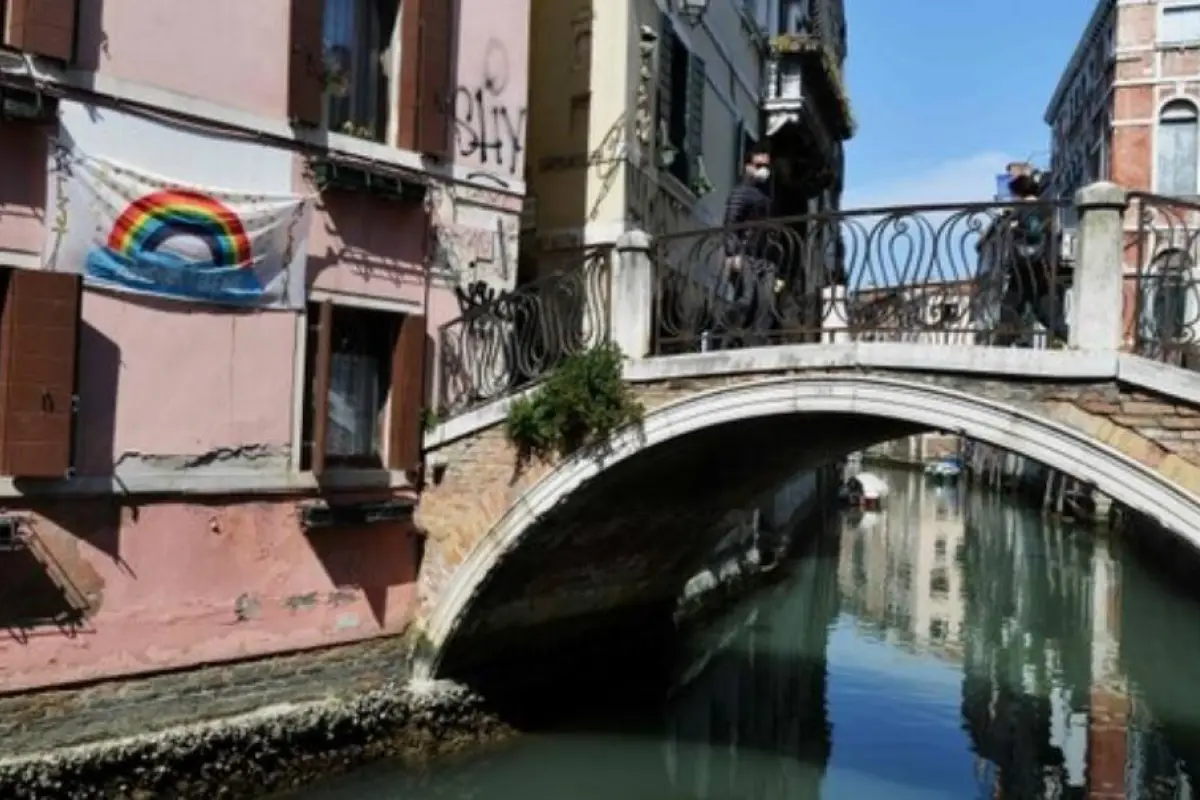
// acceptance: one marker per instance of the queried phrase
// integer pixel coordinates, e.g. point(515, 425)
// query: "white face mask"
point(762, 174)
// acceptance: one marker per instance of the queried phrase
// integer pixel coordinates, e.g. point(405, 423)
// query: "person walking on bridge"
point(749, 270)
point(1033, 285)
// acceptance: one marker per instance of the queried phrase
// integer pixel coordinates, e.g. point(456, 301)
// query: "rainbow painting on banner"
point(181, 242)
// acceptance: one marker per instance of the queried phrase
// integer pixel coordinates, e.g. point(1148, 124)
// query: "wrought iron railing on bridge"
point(980, 274)
point(988, 273)
point(505, 340)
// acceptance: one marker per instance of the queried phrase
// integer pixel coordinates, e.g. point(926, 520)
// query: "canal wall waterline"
point(1034, 485)
point(759, 541)
point(243, 729)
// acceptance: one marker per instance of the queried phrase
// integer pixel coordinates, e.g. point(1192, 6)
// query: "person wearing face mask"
point(747, 264)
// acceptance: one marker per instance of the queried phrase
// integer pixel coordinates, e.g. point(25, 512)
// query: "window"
point(360, 364)
point(1177, 149)
point(939, 583)
point(1179, 23)
point(682, 82)
point(742, 144)
point(352, 36)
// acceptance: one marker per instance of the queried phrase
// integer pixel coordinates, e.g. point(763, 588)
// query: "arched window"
point(1177, 149)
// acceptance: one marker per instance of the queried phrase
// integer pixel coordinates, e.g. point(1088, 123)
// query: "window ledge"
point(200, 483)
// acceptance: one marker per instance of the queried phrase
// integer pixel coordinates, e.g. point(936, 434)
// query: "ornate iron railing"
point(507, 340)
point(987, 273)
point(1163, 320)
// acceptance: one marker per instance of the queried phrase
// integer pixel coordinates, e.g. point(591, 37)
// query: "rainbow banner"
point(132, 232)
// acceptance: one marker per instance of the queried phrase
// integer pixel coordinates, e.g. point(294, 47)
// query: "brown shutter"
point(320, 387)
point(306, 64)
point(42, 27)
point(426, 76)
point(39, 328)
point(408, 395)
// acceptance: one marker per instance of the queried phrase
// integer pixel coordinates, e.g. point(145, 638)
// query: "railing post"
point(631, 299)
point(1096, 309)
point(834, 326)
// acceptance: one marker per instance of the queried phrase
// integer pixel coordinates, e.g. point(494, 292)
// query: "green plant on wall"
point(579, 405)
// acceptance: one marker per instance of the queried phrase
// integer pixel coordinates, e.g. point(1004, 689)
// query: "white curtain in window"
point(1177, 149)
point(351, 37)
point(353, 405)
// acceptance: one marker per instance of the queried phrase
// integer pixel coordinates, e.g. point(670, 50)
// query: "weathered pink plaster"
point(170, 584)
point(182, 584)
point(173, 378)
point(493, 61)
point(230, 52)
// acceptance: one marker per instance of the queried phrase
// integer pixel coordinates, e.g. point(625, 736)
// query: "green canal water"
point(952, 646)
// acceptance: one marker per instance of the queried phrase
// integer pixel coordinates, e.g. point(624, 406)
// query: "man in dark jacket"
point(748, 266)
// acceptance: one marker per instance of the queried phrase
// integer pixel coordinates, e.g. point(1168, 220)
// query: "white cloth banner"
point(129, 231)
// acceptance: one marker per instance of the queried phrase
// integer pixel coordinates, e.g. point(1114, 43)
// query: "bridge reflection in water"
point(950, 646)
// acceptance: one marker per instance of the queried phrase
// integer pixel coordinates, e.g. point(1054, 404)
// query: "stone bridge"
point(597, 548)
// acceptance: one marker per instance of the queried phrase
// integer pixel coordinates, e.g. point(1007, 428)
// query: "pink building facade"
point(198, 474)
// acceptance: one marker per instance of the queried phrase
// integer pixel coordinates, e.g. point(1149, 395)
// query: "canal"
point(951, 646)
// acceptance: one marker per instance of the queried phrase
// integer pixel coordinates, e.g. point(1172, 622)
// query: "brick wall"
point(630, 535)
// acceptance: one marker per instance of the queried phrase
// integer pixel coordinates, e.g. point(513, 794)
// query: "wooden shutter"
point(42, 27)
point(306, 62)
point(666, 51)
point(408, 395)
point(39, 334)
point(320, 387)
point(693, 144)
point(426, 76)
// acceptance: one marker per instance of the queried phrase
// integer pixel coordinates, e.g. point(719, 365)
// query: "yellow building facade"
point(639, 116)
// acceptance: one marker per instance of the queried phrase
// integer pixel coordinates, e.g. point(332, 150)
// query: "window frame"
point(1164, 9)
point(402, 402)
point(1162, 122)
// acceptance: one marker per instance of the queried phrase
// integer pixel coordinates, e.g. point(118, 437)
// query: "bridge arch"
point(912, 406)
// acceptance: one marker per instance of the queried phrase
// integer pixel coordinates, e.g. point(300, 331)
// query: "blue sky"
point(946, 91)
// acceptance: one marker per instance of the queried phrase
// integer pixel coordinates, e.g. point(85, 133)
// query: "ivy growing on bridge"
point(581, 404)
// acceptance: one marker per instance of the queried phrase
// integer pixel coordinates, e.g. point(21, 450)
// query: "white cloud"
point(968, 179)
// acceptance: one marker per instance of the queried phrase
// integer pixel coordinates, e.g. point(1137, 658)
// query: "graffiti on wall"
point(475, 232)
point(486, 126)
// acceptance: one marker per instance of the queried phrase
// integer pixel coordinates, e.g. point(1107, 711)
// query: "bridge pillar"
point(833, 315)
point(631, 297)
point(1097, 315)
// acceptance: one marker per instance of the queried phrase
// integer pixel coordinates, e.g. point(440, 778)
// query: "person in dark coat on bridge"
point(748, 266)
point(1032, 284)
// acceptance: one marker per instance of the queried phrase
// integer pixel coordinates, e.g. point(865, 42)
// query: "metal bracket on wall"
point(323, 515)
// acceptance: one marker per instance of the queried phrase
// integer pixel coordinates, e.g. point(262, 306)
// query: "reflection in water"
point(947, 646)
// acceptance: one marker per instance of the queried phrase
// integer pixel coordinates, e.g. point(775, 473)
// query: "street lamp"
point(692, 11)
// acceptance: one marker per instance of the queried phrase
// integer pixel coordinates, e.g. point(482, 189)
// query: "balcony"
point(803, 71)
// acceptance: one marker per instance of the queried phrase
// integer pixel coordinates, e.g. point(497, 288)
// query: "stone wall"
point(247, 727)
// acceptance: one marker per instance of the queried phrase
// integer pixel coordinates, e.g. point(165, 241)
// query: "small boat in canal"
point(944, 470)
point(866, 491)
